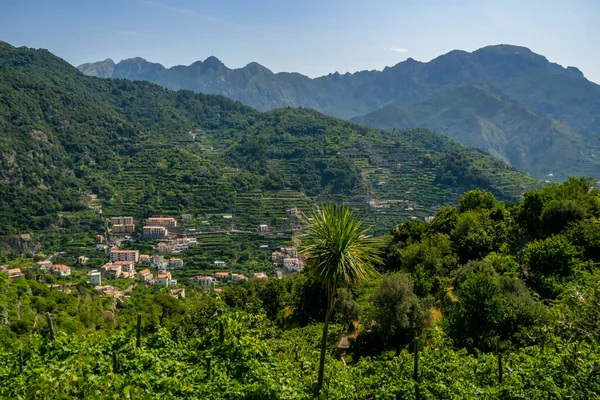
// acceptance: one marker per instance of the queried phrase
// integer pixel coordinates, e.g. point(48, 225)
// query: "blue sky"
point(313, 37)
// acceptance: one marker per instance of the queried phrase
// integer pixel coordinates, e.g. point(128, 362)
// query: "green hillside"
point(479, 117)
point(144, 150)
point(537, 115)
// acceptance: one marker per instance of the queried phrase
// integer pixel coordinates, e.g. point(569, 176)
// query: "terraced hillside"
point(145, 150)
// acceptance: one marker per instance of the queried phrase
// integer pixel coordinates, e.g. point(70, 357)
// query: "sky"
point(313, 37)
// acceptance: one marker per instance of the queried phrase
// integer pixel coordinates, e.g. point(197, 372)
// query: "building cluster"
point(123, 263)
point(207, 280)
point(287, 257)
point(54, 269)
point(158, 227)
point(46, 265)
point(176, 245)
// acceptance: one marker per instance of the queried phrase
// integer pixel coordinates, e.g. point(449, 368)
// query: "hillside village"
point(159, 261)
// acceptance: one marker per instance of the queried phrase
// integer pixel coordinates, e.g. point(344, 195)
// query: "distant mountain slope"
point(481, 118)
point(143, 149)
point(564, 105)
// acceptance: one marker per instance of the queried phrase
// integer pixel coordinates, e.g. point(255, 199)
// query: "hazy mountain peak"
point(212, 62)
point(257, 68)
point(134, 60)
point(506, 49)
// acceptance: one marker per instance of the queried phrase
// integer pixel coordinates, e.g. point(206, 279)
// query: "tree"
point(339, 254)
point(474, 200)
point(399, 313)
point(346, 308)
point(558, 214)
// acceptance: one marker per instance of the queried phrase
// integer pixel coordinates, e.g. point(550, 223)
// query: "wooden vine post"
point(138, 335)
point(499, 354)
point(416, 371)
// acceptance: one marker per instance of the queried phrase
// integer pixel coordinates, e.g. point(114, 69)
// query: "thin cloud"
point(180, 10)
point(395, 49)
point(132, 33)
point(195, 14)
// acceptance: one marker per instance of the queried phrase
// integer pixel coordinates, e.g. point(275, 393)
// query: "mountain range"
point(506, 100)
point(69, 142)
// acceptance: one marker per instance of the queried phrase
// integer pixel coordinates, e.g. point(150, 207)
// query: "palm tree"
point(338, 254)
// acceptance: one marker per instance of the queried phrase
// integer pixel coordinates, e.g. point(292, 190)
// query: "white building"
point(204, 280)
point(158, 261)
point(163, 278)
point(175, 263)
point(154, 232)
point(95, 277)
point(61, 270)
point(263, 228)
point(220, 264)
point(293, 264)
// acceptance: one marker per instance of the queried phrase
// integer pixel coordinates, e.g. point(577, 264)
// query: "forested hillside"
point(504, 99)
point(501, 299)
point(144, 150)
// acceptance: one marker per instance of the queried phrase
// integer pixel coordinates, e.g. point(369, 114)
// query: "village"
point(158, 267)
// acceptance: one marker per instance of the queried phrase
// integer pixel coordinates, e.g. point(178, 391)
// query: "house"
point(145, 275)
point(290, 251)
point(175, 263)
point(158, 261)
point(110, 270)
point(123, 228)
point(292, 212)
point(95, 277)
point(203, 280)
point(61, 270)
point(238, 277)
point(124, 255)
point(121, 221)
point(127, 268)
point(220, 264)
point(82, 260)
point(177, 293)
point(44, 264)
point(102, 246)
point(164, 247)
point(221, 275)
point(170, 222)
point(263, 228)
point(144, 259)
point(293, 264)
point(109, 290)
point(100, 239)
point(260, 276)
point(154, 232)
point(163, 278)
point(15, 273)
point(277, 256)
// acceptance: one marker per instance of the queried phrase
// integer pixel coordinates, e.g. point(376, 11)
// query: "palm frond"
point(337, 247)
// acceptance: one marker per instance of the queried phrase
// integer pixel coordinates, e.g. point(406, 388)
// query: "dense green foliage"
point(145, 150)
point(536, 115)
point(532, 295)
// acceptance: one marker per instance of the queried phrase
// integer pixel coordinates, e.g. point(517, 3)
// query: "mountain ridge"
point(525, 79)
